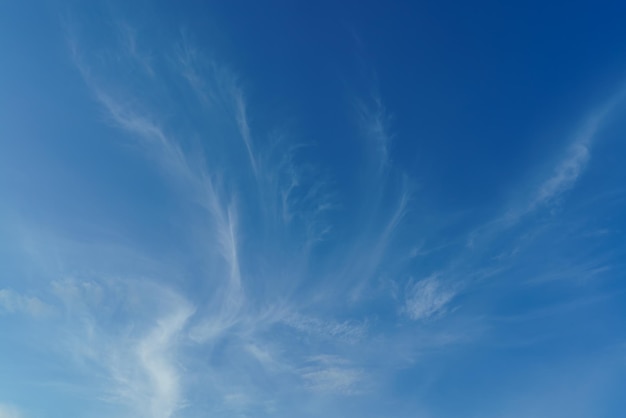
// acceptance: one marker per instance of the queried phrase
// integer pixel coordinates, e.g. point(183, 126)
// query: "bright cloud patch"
point(427, 298)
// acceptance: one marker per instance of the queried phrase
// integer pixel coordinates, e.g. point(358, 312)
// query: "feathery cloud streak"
point(279, 290)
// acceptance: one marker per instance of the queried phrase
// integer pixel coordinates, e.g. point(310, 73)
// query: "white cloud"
point(78, 293)
point(334, 380)
point(215, 198)
point(8, 411)
point(129, 39)
point(346, 331)
point(126, 335)
point(140, 358)
point(294, 192)
point(15, 303)
point(572, 165)
point(144, 127)
point(333, 375)
point(565, 175)
point(156, 356)
point(244, 128)
point(427, 298)
point(373, 121)
point(264, 356)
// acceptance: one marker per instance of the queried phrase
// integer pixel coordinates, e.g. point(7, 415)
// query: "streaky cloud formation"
point(426, 298)
point(197, 255)
point(12, 302)
point(569, 169)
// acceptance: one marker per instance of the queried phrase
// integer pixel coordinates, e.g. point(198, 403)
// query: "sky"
point(347, 208)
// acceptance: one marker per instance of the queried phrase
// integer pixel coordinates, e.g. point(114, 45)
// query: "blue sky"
point(305, 209)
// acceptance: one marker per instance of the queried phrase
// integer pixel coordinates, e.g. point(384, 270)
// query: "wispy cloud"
point(347, 331)
point(333, 375)
point(427, 298)
point(8, 411)
point(373, 120)
point(504, 228)
point(138, 357)
point(576, 157)
point(565, 174)
point(207, 191)
point(386, 201)
point(168, 152)
point(15, 303)
point(131, 46)
point(244, 128)
point(156, 355)
point(264, 265)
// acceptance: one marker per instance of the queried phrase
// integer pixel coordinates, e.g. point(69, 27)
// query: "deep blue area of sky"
point(468, 81)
